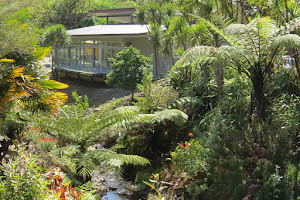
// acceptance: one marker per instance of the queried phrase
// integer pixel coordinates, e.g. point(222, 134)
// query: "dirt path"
point(97, 93)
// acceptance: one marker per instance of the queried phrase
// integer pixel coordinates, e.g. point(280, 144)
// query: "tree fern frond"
point(117, 117)
point(71, 111)
point(265, 26)
point(196, 56)
point(69, 150)
point(184, 101)
point(114, 159)
point(238, 56)
point(234, 29)
point(174, 115)
point(290, 40)
point(134, 160)
point(85, 165)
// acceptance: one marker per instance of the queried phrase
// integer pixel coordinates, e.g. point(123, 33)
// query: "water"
point(112, 196)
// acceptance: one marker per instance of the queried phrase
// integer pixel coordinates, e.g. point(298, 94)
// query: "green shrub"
point(23, 178)
point(157, 95)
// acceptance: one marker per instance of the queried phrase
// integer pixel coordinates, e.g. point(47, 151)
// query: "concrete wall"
point(143, 44)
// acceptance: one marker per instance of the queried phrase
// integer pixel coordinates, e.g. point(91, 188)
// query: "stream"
point(114, 188)
point(108, 183)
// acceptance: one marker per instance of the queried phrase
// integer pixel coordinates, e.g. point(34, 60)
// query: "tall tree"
point(252, 51)
point(155, 36)
point(57, 37)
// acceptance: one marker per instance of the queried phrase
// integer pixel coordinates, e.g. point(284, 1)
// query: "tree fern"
point(78, 130)
point(251, 48)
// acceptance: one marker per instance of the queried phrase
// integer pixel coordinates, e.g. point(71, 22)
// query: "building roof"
point(112, 29)
point(114, 12)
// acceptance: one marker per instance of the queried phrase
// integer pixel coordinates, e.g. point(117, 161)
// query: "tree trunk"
point(56, 67)
point(286, 12)
point(296, 184)
point(156, 60)
point(132, 94)
point(258, 85)
point(219, 74)
point(171, 51)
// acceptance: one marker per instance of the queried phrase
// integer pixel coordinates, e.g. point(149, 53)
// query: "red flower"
point(181, 144)
point(191, 134)
point(46, 139)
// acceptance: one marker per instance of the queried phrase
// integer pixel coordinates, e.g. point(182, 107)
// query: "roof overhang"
point(113, 12)
point(123, 15)
point(113, 30)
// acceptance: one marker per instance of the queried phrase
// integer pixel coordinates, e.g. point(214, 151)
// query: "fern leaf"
point(290, 40)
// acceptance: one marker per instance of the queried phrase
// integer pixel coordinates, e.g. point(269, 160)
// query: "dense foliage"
point(128, 66)
point(223, 124)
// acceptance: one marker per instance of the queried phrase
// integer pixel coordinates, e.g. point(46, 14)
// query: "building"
point(92, 46)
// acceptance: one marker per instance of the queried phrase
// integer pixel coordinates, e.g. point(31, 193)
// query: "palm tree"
point(155, 36)
point(152, 14)
point(57, 37)
point(179, 30)
point(252, 49)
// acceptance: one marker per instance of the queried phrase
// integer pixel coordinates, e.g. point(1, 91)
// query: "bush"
point(157, 95)
point(23, 178)
point(128, 66)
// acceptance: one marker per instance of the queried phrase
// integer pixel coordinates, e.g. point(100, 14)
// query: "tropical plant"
point(75, 132)
point(158, 186)
point(80, 101)
point(128, 68)
point(154, 134)
point(253, 50)
point(21, 95)
point(23, 178)
point(57, 37)
point(157, 94)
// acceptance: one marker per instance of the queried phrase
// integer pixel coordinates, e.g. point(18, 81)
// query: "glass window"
point(128, 44)
point(106, 55)
point(72, 56)
point(98, 59)
point(115, 51)
point(88, 54)
point(116, 44)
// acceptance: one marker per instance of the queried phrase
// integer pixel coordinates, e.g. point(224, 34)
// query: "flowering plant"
point(46, 143)
point(63, 191)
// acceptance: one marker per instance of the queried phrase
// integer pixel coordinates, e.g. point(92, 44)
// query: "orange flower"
point(191, 134)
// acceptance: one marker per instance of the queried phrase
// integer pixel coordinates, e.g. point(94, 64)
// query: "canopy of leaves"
point(127, 67)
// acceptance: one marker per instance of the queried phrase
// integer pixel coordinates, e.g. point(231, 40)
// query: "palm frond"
point(216, 30)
